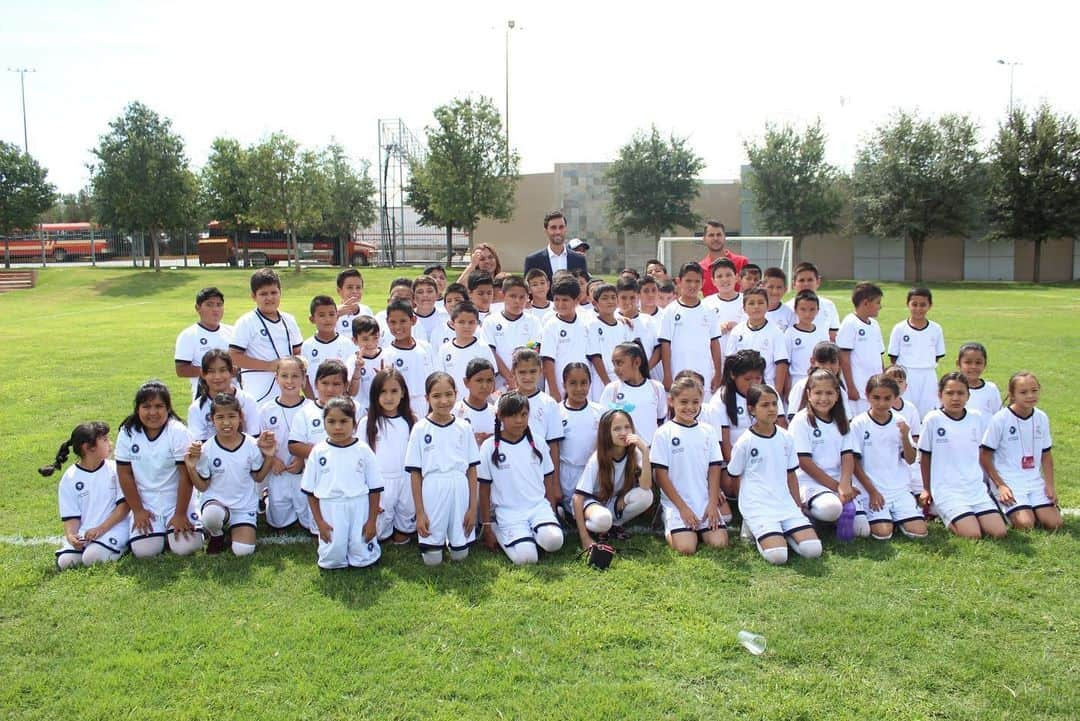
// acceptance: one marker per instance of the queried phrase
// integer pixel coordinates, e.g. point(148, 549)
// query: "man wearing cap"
point(578, 245)
point(555, 256)
point(716, 244)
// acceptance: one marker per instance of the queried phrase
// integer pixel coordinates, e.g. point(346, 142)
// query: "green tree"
point(919, 179)
point(653, 182)
point(469, 173)
point(225, 189)
point(141, 180)
point(1035, 179)
point(24, 191)
point(796, 192)
point(350, 197)
point(70, 208)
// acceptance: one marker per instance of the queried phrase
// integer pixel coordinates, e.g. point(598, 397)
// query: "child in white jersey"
point(881, 439)
point(860, 343)
point(366, 361)
point(605, 333)
point(806, 277)
point(918, 344)
point(727, 300)
point(475, 406)
point(411, 357)
point(565, 336)
point(742, 370)
point(386, 428)
point(226, 470)
point(913, 417)
point(343, 485)
point(217, 377)
point(762, 335)
point(764, 462)
point(616, 485)
point(1016, 457)
point(307, 427)
point(690, 333)
point(802, 336)
point(350, 288)
point(580, 419)
point(454, 355)
point(441, 460)
point(515, 480)
point(634, 392)
point(774, 281)
point(511, 328)
point(544, 418)
point(985, 396)
point(326, 343)
point(263, 335)
point(209, 333)
point(150, 449)
point(285, 502)
point(949, 455)
point(686, 459)
point(92, 506)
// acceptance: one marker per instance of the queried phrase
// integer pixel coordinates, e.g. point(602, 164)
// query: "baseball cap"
point(578, 244)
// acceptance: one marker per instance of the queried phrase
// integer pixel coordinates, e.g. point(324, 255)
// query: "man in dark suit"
point(555, 255)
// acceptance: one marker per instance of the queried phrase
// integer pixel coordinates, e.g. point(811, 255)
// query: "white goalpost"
point(766, 251)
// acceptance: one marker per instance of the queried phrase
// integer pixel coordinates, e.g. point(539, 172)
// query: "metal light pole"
point(22, 87)
point(510, 24)
point(1012, 69)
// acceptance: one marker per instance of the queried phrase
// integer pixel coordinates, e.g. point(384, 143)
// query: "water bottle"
point(845, 525)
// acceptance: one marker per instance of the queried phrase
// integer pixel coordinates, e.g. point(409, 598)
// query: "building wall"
point(1057, 261)
point(524, 233)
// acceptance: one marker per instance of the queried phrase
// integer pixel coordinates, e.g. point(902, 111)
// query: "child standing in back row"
point(918, 344)
point(327, 343)
point(409, 356)
point(262, 336)
point(690, 333)
point(860, 344)
point(209, 333)
point(350, 288)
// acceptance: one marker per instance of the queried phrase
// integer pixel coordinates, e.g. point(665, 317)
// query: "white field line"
point(298, 538)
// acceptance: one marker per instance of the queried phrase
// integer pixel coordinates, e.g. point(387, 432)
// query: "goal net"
point(766, 251)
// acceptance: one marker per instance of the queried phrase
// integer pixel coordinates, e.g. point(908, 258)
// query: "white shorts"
point(233, 516)
point(159, 524)
point(899, 508)
point(347, 547)
point(446, 500)
point(809, 490)
point(286, 504)
point(110, 542)
point(517, 527)
point(922, 388)
point(569, 475)
point(762, 528)
point(397, 510)
point(953, 508)
point(915, 483)
point(1026, 499)
point(673, 521)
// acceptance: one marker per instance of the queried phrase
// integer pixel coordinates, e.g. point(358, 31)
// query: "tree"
point(225, 189)
point(350, 197)
point(797, 193)
point(1035, 179)
point(918, 179)
point(286, 186)
point(469, 172)
point(24, 191)
point(141, 180)
point(70, 208)
point(653, 182)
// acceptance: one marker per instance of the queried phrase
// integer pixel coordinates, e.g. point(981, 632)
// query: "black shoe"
point(215, 545)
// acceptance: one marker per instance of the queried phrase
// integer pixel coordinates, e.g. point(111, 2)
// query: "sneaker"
point(215, 545)
point(262, 501)
point(400, 539)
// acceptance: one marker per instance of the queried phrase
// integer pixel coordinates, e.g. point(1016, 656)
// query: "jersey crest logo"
point(502, 458)
point(862, 331)
point(866, 435)
point(79, 486)
point(600, 331)
point(135, 448)
point(753, 453)
point(427, 438)
point(798, 341)
point(217, 463)
point(678, 317)
point(202, 341)
point(907, 339)
point(322, 461)
point(399, 362)
point(562, 333)
point(316, 423)
point(363, 371)
point(314, 352)
point(740, 337)
point(941, 432)
point(194, 516)
point(112, 541)
point(273, 420)
point(371, 546)
point(565, 422)
point(448, 356)
point(263, 332)
point(1012, 430)
point(620, 395)
point(498, 326)
point(817, 433)
point(740, 411)
point(675, 441)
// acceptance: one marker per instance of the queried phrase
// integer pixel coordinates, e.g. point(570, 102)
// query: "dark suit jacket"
point(540, 260)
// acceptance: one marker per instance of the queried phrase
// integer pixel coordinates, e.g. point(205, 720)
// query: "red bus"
point(269, 247)
point(62, 241)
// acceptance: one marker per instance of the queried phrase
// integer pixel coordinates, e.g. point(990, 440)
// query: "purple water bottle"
point(845, 525)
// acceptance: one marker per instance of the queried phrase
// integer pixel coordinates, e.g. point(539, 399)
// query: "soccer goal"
point(766, 251)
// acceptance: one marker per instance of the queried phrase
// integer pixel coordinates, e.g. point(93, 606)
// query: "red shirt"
point(707, 287)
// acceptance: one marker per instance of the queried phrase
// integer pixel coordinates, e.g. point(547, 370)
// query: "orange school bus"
point(269, 247)
point(63, 241)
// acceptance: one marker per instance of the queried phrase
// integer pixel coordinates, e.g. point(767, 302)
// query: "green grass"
point(942, 629)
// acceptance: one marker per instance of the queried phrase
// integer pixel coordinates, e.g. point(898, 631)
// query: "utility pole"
point(1012, 69)
point(22, 87)
point(509, 26)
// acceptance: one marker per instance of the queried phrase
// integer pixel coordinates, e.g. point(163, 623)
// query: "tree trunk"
point(1037, 274)
point(796, 252)
point(449, 246)
point(155, 254)
point(917, 246)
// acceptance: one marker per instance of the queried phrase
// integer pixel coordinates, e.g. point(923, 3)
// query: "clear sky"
point(583, 75)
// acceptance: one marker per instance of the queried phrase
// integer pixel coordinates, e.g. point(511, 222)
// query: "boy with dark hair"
point(454, 355)
point(207, 334)
point(806, 277)
point(409, 356)
point(605, 331)
point(642, 327)
point(366, 361)
point(666, 293)
point(690, 334)
point(775, 284)
point(425, 291)
point(749, 276)
point(481, 292)
point(564, 338)
point(538, 285)
point(510, 329)
point(327, 343)
point(727, 300)
point(350, 288)
point(649, 298)
point(861, 344)
point(262, 336)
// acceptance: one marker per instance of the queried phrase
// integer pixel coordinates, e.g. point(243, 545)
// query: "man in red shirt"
point(715, 242)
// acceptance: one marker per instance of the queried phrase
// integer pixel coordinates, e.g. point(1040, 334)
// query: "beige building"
point(579, 190)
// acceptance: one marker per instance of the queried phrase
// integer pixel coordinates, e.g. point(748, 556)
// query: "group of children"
point(487, 411)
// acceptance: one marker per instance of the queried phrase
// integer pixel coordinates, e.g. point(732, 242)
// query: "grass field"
point(941, 629)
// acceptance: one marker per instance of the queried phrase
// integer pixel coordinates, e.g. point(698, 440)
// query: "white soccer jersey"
point(953, 447)
point(587, 312)
point(426, 324)
point(264, 339)
point(436, 449)
point(798, 388)
point(564, 342)
point(603, 337)
point(880, 450)
point(154, 461)
point(986, 399)
point(201, 424)
point(544, 419)
point(915, 348)
point(863, 339)
point(445, 333)
point(435, 329)
point(371, 366)
point(727, 311)
point(277, 418)
point(827, 316)
point(92, 496)
point(344, 322)
point(823, 444)
point(1013, 439)
point(578, 432)
point(690, 330)
point(391, 444)
point(336, 472)
point(307, 425)
point(541, 314)
point(800, 347)
point(194, 342)
point(416, 364)
point(781, 316)
point(505, 335)
point(643, 328)
point(229, 472)
point(482, 420)
point(589, 483)
point(686, 452)
point(762, 464)
point(742, 413)
point(912, 415)
point(646, 403)
point(517, 480)
point(768, 340)
point(454, 359)
point(315, 351)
